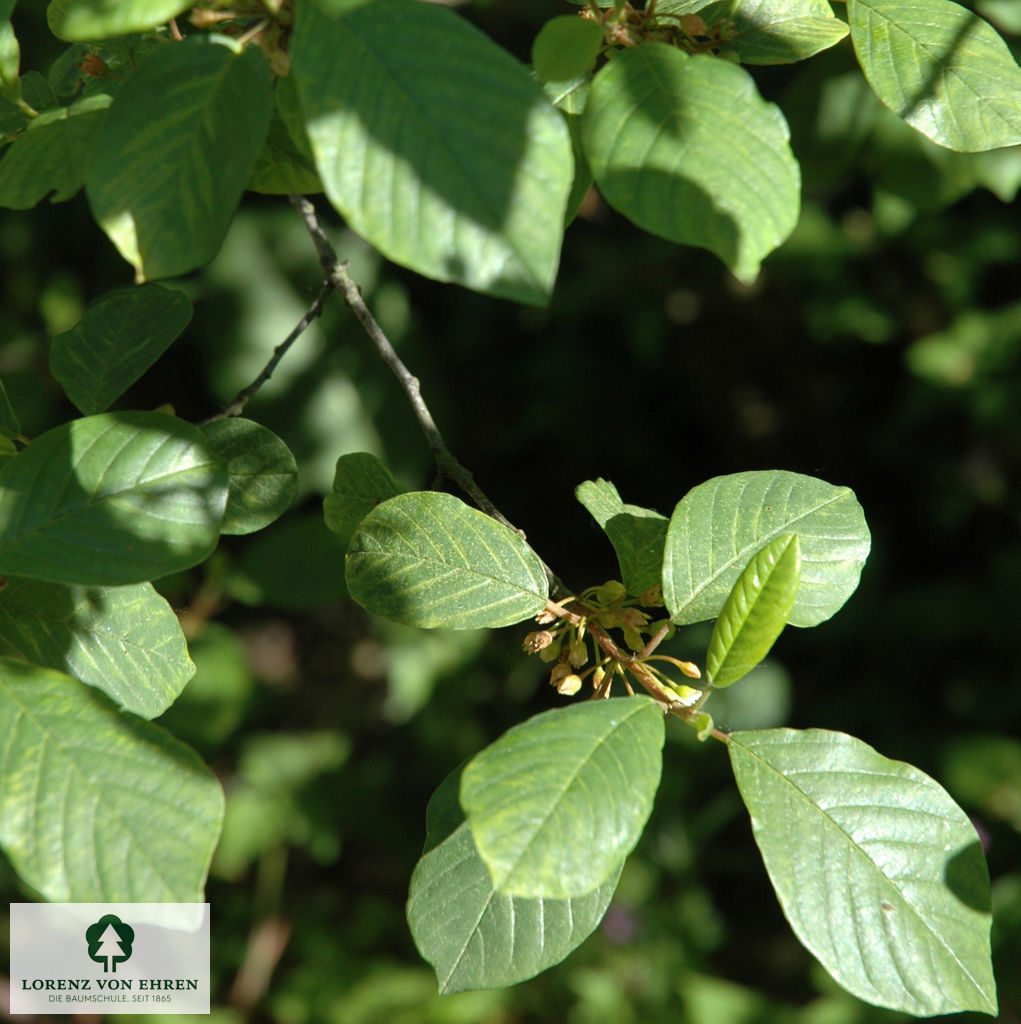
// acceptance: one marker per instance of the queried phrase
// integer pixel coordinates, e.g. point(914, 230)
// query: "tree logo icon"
point(109, 942)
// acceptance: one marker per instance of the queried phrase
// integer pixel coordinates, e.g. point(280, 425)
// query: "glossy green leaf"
point(428, 559)
point(687, 149)
point(83, 20)
point(51, 157)
point(766, 31)
point(261, 471)
point(84, 789)
point(116, 341)
point(756, 612)
point(942, 69)
point(110, 499)
point(125, 641)
point(9, 425)
point(360, 483)
point(473, 936)
point(558, 802)
point(718, 526)
point(879, 872)
point(637, 534)
point(176, 150)
point(434, 144)
point(565, 48)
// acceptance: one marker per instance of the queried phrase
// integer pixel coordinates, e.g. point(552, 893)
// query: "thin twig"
point(241, 399)
point(338, 278)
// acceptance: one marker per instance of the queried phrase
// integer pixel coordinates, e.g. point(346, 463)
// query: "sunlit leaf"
point(99, 19)
point(84, 789)
point(565, 48)
point(879, 872)
point(428, 559)
point(559, 801)
point(755, 613)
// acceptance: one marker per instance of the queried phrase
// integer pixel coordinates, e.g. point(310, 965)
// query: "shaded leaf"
point(637, 534)
point(435, 144)
point(942, 69)
point(9, 425)
point(285, 165)
point(51, 157)
point(262, 475)
point(84, 788)
point(558, 802)
point(718, 526)
point(175, 151)
point(115, 342)
point(428, 559)
point(687, 149)
point(110, 499)
point(83, 20)
point(125, 641)
point(360, 483)
point(879, 872)
point(565, 48)
point(473, 936)
point(755, 613)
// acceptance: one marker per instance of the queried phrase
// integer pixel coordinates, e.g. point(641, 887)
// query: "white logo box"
point(109, 958)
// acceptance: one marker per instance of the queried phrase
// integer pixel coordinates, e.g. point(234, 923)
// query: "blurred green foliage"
point(880, 348)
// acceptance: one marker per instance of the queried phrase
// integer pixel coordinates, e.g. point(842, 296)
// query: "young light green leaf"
point(772, 31)
point(116, 341)
point(434, 144)
point(473, 936)
point(565, 48)
point(84, 788)
point(719, 525)
point(261, 472)
point(10, 58)
point(558, 802)
point(85, 20)
point(51, 157)
point(942, 69)
point(428, 559)
point(360, 483)
point(110, 499)
point(879, 872)
point(10, 427)
point(756, 612)
point(687, 149)
point(637, 534)
point(175, 151)
point(125, 641)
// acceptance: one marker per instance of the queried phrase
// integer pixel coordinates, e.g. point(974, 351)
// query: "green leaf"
point(558, 802)
point(435, 145)
point(756, 612)
point(879, 872)
point(565, 48)
point(125, 641)
point(942, 69)
point(285, 166)
point(772, 31)
point(110, 499)
point(84, 20)
point(9, 425)
point(687, 149)
point(51, 157)
point(360, 483)
point(116, 341)
point(84, 789)
point(473, 936)
point(718, 526)
point(428, 559)
point(10, 60)
point(637, 534)
point(261, 471)
point(175, 151)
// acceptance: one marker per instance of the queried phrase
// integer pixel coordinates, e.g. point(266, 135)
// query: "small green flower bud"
point(652, 598)
point(578, 654)
point(569, 685)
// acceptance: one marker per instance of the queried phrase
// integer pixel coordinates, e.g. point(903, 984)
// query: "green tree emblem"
point(109, 941)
